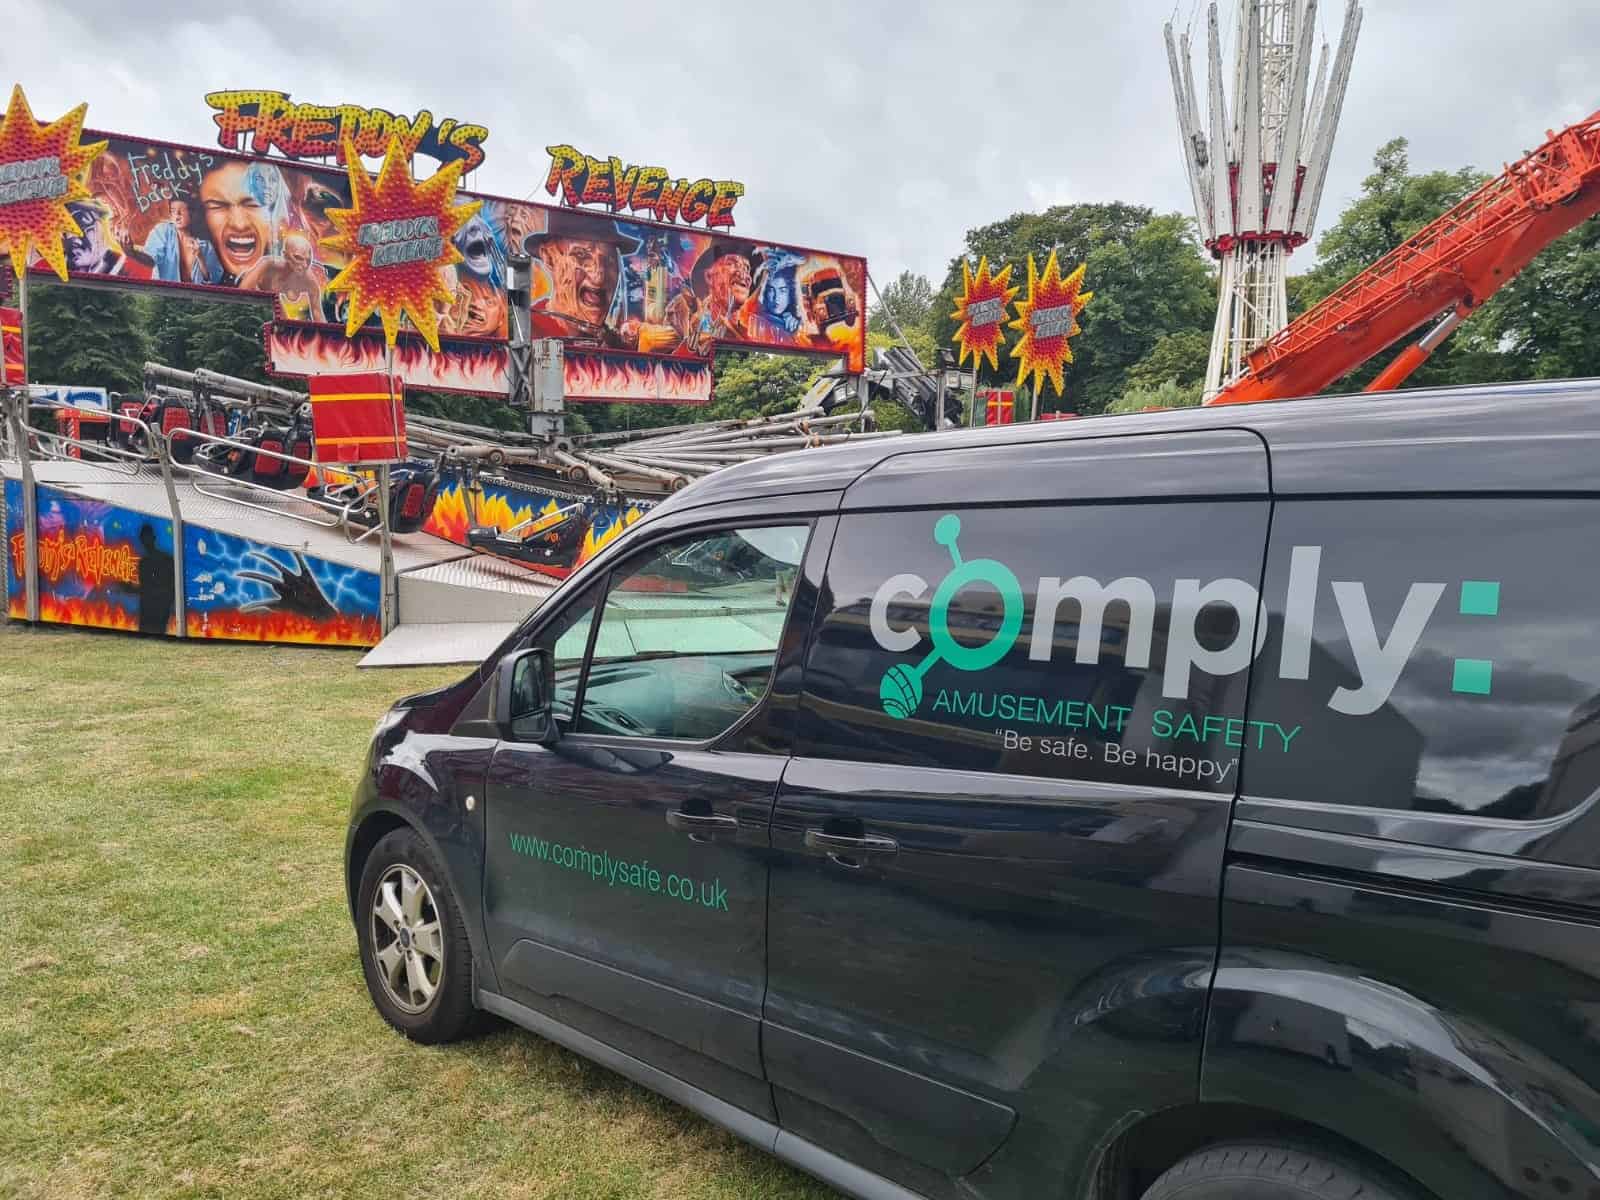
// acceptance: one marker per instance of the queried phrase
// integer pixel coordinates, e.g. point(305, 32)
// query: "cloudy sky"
point(881, 128)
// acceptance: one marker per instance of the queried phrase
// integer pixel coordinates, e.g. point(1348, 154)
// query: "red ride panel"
point(354, 420)
point(13, 369)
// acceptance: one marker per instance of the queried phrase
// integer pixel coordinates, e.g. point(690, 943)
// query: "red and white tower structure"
point(1257, 170)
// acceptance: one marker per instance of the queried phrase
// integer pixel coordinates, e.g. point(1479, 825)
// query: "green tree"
point(751, 384)
point(472, 410)
point(85, 337)
point(1179, 357)
point(1149, 277)
point(906, 301)
point(1542, 324)
point(1393, 205)
point(227, 338)
point(891, 414)
point(1167, 394)
point(189, 334)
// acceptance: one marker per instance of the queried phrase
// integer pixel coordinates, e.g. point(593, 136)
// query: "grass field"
point(181, 1008)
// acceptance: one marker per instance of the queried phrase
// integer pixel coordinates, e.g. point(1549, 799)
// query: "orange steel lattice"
point(1450, 266)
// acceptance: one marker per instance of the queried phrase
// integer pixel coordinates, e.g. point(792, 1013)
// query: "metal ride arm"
point(1449, 268)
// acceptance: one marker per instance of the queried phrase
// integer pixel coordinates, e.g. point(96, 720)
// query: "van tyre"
point(1243, 1171)
point(414, 948)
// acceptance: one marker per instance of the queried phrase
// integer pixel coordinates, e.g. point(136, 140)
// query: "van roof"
point(1525, 437)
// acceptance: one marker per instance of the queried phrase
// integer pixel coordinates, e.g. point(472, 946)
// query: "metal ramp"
point(458, 611)
point(454, 605)
point(278, 520)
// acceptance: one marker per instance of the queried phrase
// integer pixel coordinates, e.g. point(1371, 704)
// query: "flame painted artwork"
point(99, 565)
point(504, 504)
point(109, 567)
point(301, 350)
point(245, 590)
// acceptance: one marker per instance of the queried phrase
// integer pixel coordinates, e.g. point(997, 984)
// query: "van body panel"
point(1451, 1036)
point(1034, 946)
point(1222, 462)
point(1041, 936)
point(689, 971)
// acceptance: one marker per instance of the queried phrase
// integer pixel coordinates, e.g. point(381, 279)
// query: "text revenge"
point(1052, 322)
point(397, 243)
point(579, 179)
point(32, 179)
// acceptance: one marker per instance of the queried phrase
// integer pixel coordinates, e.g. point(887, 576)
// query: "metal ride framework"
point(1257, 179)
point(1446, 271)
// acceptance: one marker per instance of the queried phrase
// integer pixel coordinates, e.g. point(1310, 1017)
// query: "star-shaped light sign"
point(42, 170)
point(1047, 320)
point(981, 309)
point(396, 238)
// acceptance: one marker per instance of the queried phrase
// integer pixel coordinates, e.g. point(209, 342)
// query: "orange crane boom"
point(1446, 270)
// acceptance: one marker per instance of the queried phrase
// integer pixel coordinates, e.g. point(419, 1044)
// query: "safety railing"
point(339, 515)
point(53, 444)
point(542, 520)
point(18, 410)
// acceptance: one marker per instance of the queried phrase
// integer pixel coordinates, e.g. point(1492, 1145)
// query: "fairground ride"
point(1441, 274)
point(1257, 174)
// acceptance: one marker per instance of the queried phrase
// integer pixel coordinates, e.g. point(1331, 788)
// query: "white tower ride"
point(1257, 178)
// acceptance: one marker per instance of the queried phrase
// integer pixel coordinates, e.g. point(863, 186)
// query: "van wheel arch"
point(1142, 1152)
point(372, 830)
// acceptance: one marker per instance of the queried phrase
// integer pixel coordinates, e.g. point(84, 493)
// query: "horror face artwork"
point(584, 273)
point(238, 201)
point(203, 218)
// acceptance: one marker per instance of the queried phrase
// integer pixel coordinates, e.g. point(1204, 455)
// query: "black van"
point(1187, 805)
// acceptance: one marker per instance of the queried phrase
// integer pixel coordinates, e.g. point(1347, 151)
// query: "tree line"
point(1145, 335)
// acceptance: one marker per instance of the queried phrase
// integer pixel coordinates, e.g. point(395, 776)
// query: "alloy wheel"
point(407, 938)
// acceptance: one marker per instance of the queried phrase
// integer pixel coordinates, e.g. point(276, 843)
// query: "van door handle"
point(700, 826)
point(864, 843)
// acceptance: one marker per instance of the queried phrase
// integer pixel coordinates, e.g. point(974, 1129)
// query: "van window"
point(567, 639)
point(1436, 655)
point(689, 632)
point(1095, 642)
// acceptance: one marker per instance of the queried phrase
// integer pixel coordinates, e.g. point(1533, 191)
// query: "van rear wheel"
point(414, 949)
point(1249, 1171)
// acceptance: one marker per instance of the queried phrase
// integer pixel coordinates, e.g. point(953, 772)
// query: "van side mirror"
point(523, 697)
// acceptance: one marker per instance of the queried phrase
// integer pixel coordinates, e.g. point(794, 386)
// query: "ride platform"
point(256, 566)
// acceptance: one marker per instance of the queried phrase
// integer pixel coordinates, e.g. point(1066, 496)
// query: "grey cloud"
point(883, 129)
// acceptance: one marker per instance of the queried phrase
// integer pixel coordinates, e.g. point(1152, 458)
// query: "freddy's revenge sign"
point(397, 238)
point(580, 179)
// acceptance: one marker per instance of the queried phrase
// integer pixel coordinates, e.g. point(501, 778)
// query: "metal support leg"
point(16, 406)
point(179, 581)
point(389, 600)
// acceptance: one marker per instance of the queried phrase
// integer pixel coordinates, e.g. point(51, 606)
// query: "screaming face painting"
point(202, 218)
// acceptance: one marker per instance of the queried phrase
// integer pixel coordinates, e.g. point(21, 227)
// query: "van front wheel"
point(1241, 1171)
point(414, 949)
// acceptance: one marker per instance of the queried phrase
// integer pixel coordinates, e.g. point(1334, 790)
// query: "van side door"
point(626, 865)
point(993, 912)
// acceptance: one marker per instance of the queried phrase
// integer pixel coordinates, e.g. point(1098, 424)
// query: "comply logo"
point(1378, 660)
